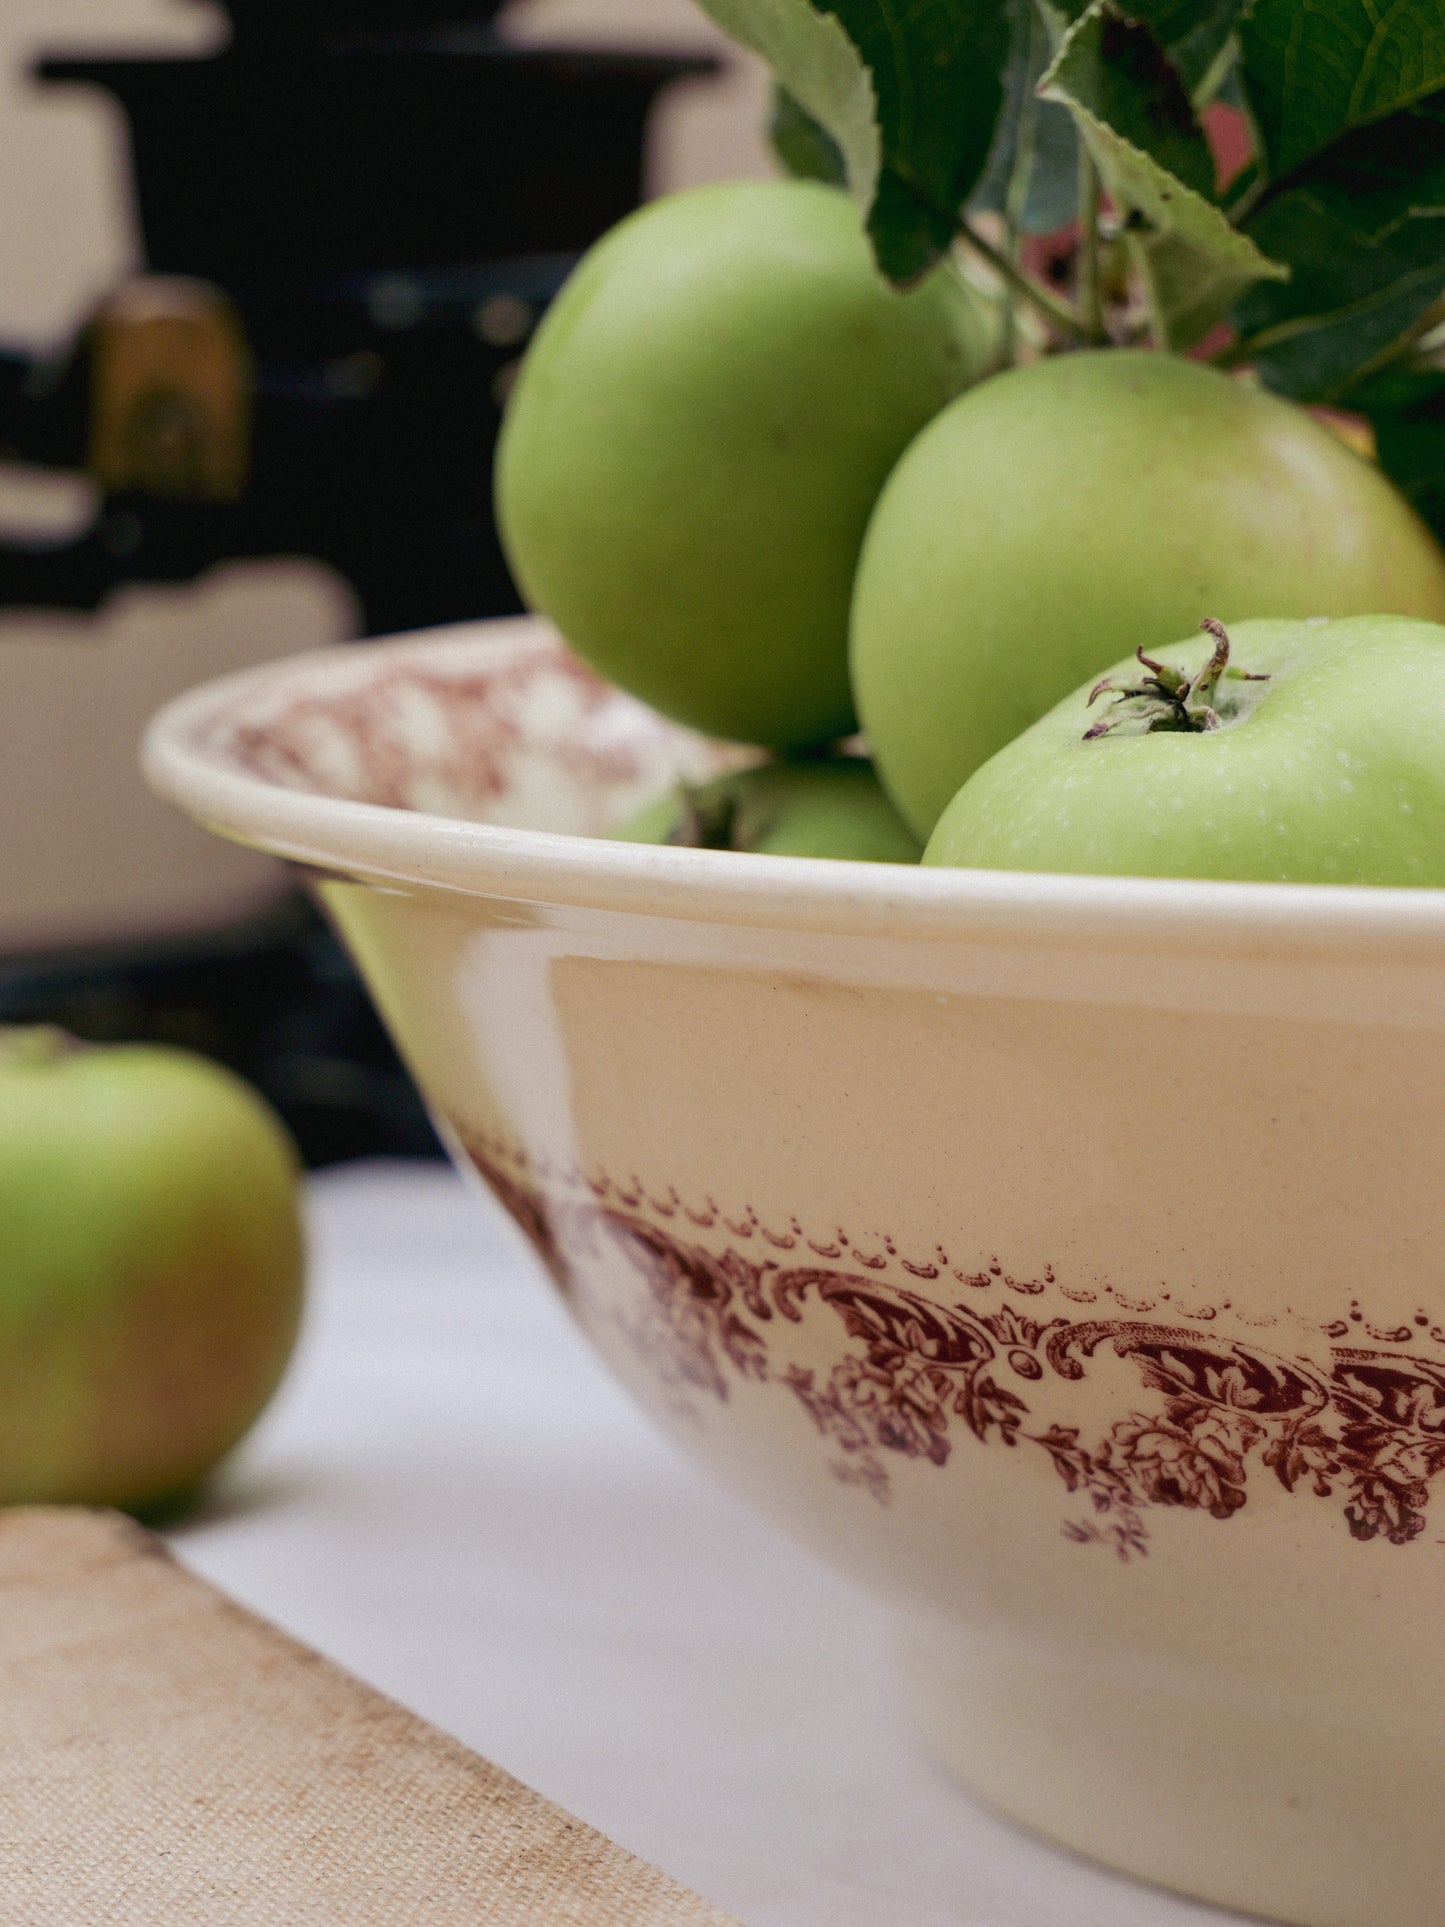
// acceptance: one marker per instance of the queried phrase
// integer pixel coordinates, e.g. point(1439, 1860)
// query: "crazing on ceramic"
point(1127, 1381)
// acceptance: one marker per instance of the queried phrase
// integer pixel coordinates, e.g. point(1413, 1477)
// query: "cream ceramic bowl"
point(1062, 1256)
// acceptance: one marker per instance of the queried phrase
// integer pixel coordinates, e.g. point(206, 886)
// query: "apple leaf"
point(818, 65)
point(1407, 412)
point(1193, 33)
point(937, 69)
point(1362, 227)
point(803, 145)
point(1110, 70)
point(1136, 118)
point(909, 90)
point(1032, 175)
point(1195, 36)
point(1315, 71)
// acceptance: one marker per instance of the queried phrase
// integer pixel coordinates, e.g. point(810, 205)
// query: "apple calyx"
point(1167, 697)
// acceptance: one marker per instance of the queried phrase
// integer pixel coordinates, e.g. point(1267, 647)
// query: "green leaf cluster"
point(986, 122)
point(909, 92)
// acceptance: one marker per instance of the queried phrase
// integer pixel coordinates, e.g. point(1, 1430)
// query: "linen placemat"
point(169, 1759)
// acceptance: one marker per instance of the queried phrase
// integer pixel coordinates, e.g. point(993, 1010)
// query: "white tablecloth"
point(452, 1498)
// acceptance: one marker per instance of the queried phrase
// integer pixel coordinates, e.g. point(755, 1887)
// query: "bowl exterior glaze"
point(1061, 1257)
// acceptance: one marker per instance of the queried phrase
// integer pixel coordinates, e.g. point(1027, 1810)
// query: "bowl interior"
point(486, 758)
point(499, 724)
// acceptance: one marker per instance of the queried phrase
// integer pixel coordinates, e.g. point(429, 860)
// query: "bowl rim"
point(389, 845)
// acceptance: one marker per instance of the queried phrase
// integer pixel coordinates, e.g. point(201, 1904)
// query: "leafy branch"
point(1060, 313)
point(1320, 264)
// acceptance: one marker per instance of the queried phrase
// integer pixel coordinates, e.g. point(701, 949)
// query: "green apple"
point(150, 1268)
point(1315, 755)
point(1073, 510)
point(697, 436)
point(831, 807)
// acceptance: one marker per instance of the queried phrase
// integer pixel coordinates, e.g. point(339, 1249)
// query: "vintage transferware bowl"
point(1060, 1255)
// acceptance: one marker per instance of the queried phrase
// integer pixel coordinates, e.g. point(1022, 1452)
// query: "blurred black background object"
point(385, 201)
point(352, 219)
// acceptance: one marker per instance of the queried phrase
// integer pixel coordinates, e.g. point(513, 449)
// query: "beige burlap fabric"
point(169, 1760)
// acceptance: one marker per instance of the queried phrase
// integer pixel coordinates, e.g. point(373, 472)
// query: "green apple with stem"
point(150, 1268)
point(1073, 510)
point(1273, 751)
point(831, 806)
point(697, 436)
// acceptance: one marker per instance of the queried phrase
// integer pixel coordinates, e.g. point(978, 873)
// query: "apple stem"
point(1088, 291)
point(1017, 192)
point(1167, 697)
point(1060, 313)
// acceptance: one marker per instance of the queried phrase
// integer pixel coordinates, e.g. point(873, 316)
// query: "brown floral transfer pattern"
point(1367, 1431)
point(465, 727)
